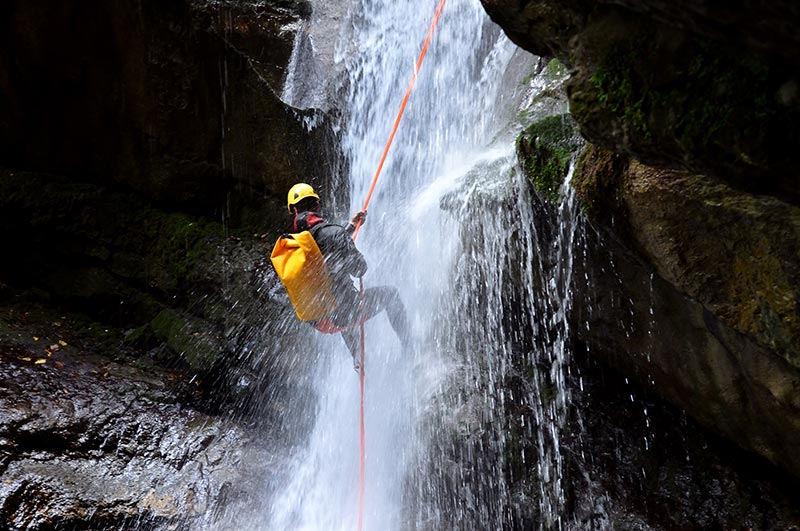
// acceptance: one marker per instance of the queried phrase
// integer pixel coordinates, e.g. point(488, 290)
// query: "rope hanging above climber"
point(317, 261)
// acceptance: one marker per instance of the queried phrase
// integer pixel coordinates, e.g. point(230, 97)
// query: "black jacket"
point(342, 258)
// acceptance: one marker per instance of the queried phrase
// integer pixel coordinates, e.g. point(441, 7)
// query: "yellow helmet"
point(299, 192)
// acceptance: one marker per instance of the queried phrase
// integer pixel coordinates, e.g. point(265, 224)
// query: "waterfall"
point(452, 226)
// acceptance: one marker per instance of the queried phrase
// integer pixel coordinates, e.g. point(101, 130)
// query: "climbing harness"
point(327, 326)
point(362, 452)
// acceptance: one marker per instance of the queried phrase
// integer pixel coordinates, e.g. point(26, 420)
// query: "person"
point(344, 261)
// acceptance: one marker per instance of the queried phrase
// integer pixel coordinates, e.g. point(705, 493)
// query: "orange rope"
point(402, 110)
point(361, 413)
point(355, 234)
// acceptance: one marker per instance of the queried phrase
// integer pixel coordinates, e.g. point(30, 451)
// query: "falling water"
point(451, 225)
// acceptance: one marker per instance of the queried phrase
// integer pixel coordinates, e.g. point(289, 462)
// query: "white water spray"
point(452, 228)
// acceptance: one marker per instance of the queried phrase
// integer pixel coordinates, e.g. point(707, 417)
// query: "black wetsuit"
point(345, 261)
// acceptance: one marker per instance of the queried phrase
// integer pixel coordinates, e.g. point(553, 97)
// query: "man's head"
point(302, 198)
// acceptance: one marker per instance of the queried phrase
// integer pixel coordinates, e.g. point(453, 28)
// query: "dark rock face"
point(88, 443)
point(545, 28)
point(171, 278)
point(150, 157)
point(695, 357)
point(691, 290)
point(675, 100)
point(708, 294)
point(634, 462)
point(765, 27)
point(692, 198)
point(669, 87)
point(144, 163)
point(541, 27)
point(176, 102)
point(733, 252)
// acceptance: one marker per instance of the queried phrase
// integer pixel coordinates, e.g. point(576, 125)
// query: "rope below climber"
point(316, 264)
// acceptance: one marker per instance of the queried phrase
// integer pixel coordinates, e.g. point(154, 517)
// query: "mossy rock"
point(598, 180)
point(674, 100)
point(188, 337)
point(546, 150)
point(117, 258)
point(735, 253)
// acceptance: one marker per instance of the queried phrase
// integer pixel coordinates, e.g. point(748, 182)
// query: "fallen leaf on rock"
point(54, 347)
point(105, 375)
point(59, 365)
point(62, 343)
point(25, 359)
point(40, 361)
point(35, 338)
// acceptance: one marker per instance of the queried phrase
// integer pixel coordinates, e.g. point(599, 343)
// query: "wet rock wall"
point(690, 178)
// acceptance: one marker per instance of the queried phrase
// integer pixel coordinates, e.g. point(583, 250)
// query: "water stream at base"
point(452, 227)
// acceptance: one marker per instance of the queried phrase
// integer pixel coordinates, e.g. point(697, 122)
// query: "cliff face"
point(682, 87)
point(175, 102)
point(143, 147)
point(144, 161)
point(90, 443)
point(692, 113)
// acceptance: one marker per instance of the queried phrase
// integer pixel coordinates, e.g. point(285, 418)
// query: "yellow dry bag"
point(301, 267)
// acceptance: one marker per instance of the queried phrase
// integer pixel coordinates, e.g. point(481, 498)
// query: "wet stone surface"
point(90, 443)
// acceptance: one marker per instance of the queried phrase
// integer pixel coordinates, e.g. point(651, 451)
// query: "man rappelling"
point(317, 263)
point(316, 267)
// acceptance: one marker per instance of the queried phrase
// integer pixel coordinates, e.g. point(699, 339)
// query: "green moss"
point(618, 89)
point(81, 241)
point(182, 247)
point(555, 70)
point(694, 97)
point(545, 151)
point(186, 337)
point(547, 177)
point(598, 179)
point(766, 305)
point(728, 100)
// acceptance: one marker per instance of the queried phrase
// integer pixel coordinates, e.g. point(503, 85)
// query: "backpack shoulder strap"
point(316, 228)
point(313, 231)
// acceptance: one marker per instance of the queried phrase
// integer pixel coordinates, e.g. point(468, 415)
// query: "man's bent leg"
point(387, 298)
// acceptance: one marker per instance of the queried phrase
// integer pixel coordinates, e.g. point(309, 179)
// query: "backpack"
point(301, 267)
